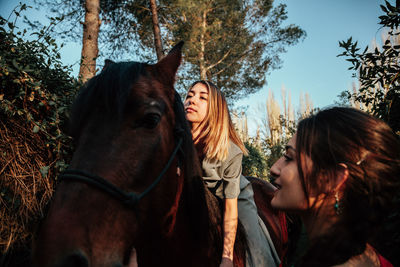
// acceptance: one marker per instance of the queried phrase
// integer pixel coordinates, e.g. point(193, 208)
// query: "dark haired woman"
point(339, 174)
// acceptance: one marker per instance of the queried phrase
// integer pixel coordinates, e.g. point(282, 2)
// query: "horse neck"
point(199, 225)
point(199, 208)
point(199, 205)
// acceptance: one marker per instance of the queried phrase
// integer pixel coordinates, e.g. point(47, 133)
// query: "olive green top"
point(223, 177)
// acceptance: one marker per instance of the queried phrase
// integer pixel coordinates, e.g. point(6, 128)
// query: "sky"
point(311, 66)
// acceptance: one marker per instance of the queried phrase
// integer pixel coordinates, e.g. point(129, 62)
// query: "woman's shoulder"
point(235, 154)
point(234, 149)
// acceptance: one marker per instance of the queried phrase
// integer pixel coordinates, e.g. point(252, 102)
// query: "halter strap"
point(129, 199)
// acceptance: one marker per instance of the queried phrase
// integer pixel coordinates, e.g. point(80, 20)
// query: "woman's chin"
point(275, 202)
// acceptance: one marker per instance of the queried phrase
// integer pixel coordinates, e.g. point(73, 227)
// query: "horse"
point(134, 180)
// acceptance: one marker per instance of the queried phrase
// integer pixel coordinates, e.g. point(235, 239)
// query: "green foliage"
point(273, 151)
point(240, 43)
point(254, 163)
point(344, 99)
point(264, 153)
point(35, 91)
point(118, 36)
point(35, 86)
point(233, 43)
point(379, 69)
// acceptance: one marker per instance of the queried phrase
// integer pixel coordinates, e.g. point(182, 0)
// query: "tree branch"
point(239, 59)
point(219, 61)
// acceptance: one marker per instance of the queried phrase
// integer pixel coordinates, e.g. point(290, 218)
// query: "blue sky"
point(311, 66)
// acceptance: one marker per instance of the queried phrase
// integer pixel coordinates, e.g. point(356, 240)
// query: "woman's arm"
point(230, 227)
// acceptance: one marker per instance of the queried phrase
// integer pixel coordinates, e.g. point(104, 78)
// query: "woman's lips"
point(278, 186)
point(190, 110)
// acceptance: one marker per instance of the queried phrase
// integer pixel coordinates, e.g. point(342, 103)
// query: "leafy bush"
point(254, 163)
point(378, 71)
point(35, 91)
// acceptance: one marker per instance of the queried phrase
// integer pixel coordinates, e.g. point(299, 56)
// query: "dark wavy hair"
point(371, 152)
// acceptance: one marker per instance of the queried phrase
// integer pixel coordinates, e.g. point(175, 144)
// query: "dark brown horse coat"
point(123, 189)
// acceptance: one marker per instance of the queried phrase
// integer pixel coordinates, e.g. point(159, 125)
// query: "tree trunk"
point(156, 30)
point(90, 49)
point(203, 70)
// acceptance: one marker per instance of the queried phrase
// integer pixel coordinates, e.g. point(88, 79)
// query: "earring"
point(337, 206)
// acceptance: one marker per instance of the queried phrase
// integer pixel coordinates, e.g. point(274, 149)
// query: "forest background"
point(238, 45)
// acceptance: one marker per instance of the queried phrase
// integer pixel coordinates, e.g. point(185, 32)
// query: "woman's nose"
point(274, 173)
point(193, 100)
point(188, 102)
point(275, 170)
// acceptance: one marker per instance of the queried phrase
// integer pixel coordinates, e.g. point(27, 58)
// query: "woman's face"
point(290, 195)
point(196, 104)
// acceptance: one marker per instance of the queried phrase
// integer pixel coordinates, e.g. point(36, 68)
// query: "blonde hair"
point(217, 128)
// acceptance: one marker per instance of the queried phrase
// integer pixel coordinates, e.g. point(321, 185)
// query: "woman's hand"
point(226, 262)
point(133, 259)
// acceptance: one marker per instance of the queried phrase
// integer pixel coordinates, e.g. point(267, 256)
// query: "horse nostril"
point(75, 259)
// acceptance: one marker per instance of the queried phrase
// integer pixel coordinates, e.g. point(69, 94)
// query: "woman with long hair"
point(339, 174)
point(220, 152)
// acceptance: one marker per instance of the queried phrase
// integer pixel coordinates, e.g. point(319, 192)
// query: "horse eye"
point(151, 120)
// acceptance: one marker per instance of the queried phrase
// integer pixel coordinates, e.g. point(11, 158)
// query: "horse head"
point(125, 176)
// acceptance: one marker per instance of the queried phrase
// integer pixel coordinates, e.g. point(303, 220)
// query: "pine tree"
point(90, 50)
point(235, 43)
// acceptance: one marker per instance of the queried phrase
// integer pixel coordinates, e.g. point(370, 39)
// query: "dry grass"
point(25, 192)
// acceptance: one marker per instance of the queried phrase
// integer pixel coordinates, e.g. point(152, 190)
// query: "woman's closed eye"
point(287, 157)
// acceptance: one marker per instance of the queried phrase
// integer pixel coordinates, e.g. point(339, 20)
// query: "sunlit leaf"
point(35, 129)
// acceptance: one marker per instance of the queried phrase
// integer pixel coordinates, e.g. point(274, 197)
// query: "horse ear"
point(168, 65)
point(107, 63)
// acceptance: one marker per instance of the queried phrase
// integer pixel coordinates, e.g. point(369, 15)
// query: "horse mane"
point(106, 92)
